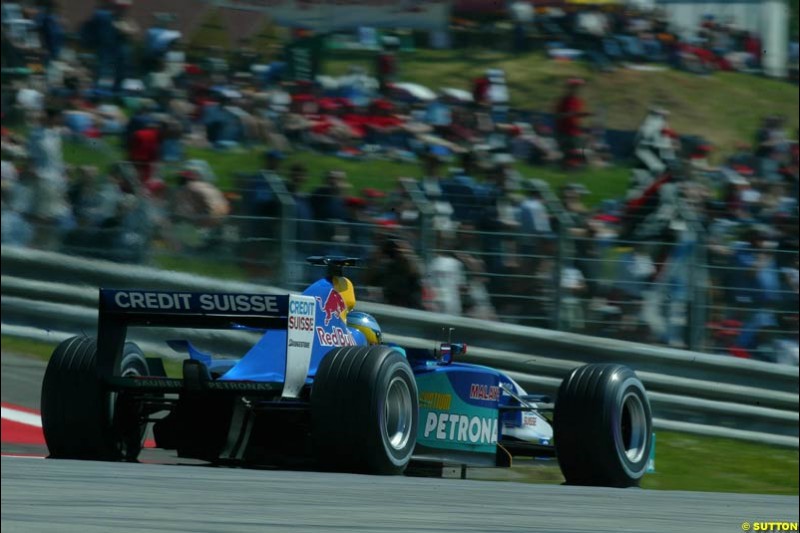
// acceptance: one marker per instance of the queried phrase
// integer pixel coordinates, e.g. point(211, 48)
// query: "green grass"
point(611, 182)
point(206, 265)
point(372, 173)
point(683, 461)
point(89, 152)
point(688, 462)
point(691, 462)
point(211, 33)
point(18, 346)
point(603, 183)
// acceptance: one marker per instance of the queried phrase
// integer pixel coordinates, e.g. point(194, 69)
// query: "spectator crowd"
point(471, 237)
point(614, 35)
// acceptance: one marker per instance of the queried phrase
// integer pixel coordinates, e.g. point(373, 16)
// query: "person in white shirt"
point(534, 219)
point(448, 281)
point(654, 146)
point(50, 207)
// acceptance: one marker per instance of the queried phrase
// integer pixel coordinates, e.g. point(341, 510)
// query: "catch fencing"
point(665, 278)
point(686, 286)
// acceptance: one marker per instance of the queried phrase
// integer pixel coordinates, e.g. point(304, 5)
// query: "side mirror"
point(448, 351)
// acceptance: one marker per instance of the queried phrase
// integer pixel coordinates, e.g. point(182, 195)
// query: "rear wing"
point(194, 309)
point(210, 310)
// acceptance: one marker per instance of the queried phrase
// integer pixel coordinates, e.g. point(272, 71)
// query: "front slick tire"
point(603, 426)
point(81, 419)
point(364, 411)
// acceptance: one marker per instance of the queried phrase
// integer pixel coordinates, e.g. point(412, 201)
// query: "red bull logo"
point(336, 337)
point(333, 306)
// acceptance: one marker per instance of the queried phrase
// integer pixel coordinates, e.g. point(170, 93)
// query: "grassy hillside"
point(724, 107)
point(602, 183)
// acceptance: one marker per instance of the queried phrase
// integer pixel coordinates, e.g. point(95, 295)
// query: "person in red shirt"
point(386, 70)
point(381, 124)
point(480, 90)
point(145, 148)
point(570, 111)
point(752, 45)
point(386, 64)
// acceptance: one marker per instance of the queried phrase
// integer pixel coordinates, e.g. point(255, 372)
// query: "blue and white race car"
point(320, 388)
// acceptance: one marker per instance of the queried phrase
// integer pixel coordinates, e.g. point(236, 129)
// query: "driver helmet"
point(366, 324)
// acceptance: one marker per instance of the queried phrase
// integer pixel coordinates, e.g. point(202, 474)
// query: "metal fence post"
point(695, 306)
point(699, 285)
point(565, 222)
point(559, 265)
point(426, 212)
point(288, 223)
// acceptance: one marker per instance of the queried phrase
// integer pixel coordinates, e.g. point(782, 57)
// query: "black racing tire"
point(603, 426)
point(81, 419)
point(364, 411)
point(133, 362)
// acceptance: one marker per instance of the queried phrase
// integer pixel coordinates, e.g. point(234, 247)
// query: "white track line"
point(21, 417)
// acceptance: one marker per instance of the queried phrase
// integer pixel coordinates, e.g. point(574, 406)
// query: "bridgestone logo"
point(298, 344)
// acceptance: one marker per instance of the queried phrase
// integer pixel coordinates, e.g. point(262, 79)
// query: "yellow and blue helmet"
point(366, 324)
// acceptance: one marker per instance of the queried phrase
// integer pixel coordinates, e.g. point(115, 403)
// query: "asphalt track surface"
point(86, 497)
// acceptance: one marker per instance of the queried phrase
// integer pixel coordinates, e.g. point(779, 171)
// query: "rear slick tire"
point(81, 418)
point(364, 411)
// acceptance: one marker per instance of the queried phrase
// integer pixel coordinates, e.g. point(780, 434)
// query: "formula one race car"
point(320, 388)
